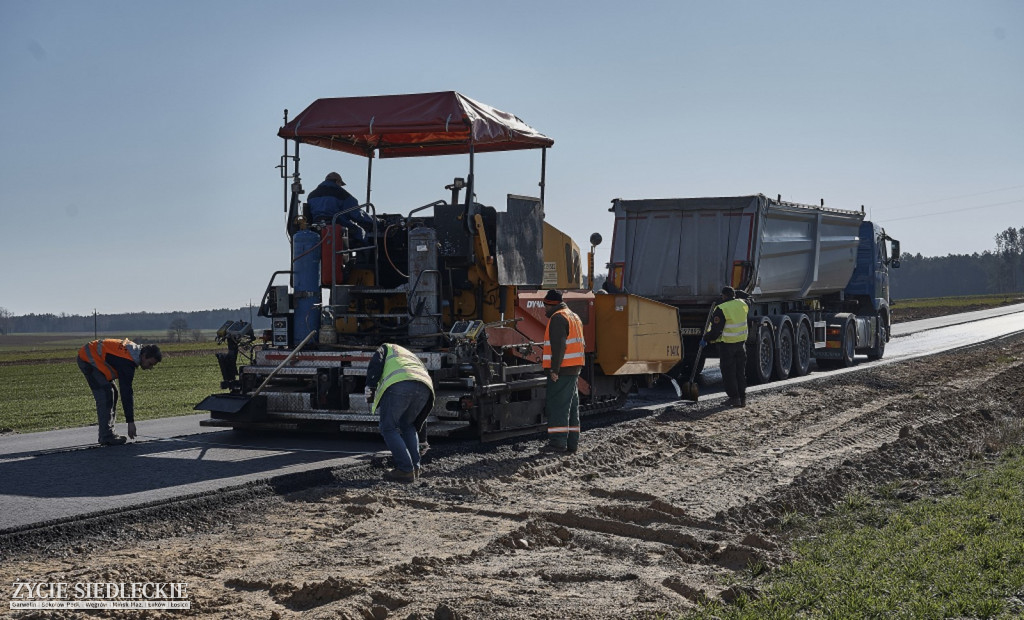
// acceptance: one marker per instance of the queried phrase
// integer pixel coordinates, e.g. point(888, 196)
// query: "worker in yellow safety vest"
point(729, 328)
point(400, 390)
point(563, 356)
point(104, 361)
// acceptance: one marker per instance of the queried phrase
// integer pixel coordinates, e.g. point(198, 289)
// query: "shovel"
point(233, 403)
point(689, 389)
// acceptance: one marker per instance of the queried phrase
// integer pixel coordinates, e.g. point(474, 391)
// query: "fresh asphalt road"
point(57, 475)
point(60, 475)
point(909, 340)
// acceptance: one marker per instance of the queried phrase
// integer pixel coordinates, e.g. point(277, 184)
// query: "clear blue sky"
point(138, 138)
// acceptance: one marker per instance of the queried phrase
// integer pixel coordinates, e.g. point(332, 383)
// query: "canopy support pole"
point(369, 176)
point(284, 165)
point(543, 170)
point(470, 182)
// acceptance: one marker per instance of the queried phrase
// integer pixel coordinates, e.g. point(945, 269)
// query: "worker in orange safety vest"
point(563, 356)
point(104, 361)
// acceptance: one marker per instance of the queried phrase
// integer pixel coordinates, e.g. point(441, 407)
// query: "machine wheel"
point(783, 353)
point(876, 352)
point(849, 345)
point(760, 355)
point(802, 346)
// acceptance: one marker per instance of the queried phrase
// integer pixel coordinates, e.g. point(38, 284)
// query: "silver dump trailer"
point(816, 277)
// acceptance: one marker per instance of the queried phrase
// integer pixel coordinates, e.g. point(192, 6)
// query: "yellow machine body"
point(562, 268)
point(636, 335)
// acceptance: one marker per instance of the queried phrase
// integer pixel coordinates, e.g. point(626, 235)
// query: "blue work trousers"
point(399, 406)
point(106, 399)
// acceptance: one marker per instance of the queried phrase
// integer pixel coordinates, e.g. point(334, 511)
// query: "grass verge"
point(39, 349)
point(48, 396)
point(956, 304)
point(960, 554)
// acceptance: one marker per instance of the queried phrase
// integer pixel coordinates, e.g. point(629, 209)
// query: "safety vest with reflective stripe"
point(96, 351)
point(400, 365)
point(735, 330)
point(574, 344)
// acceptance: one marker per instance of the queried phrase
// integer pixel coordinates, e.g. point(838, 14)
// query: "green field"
point(43, 389)
point(958, 555)
point(22, 347)
point(958, 304)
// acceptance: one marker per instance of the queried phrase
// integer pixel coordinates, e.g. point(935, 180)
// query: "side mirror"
point(895, 253)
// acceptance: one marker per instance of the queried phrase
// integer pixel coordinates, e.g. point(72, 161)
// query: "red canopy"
point(411, 125)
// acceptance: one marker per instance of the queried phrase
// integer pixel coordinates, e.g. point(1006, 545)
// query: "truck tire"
point(802, 346)
point(849, 344)
point(760, 355)
point(783, 352)
point(876, 352)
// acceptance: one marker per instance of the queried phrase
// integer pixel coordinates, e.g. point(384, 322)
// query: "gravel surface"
point(654, 514)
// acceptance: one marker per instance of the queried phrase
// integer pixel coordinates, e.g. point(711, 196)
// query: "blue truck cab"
point(877, 252)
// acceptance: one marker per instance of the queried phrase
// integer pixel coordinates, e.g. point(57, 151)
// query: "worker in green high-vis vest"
point(401, 392)
point(729, 329)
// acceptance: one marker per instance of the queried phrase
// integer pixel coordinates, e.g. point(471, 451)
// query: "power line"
point(928, 202)
point(911, 217)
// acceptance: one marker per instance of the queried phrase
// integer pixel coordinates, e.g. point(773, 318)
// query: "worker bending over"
point(400, 389)
point(103, 361)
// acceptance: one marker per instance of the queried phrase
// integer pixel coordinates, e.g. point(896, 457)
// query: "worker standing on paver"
point(729, 329)
point(103, 361)
point(399, 387)
point(330, 198)
point(563, 357)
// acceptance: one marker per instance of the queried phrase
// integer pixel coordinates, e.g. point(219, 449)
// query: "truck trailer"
point(816, 279)
point(457, 282)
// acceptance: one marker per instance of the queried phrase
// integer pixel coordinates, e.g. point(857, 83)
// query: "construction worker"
point(729, 329)
point(398, 385)
point(330, 198)
point(563, 357)
point(103, 361)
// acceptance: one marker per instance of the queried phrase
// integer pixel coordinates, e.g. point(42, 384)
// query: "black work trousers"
point(732, 358)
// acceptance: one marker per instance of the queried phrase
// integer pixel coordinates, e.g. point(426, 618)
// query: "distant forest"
point(178, 322)
point(996, 272)
point(1001, 271)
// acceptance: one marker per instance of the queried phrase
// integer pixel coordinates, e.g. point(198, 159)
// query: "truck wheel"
point(876, 352)
point(783, 353)
point(849, 345)
point(801, 351)
point(760, 356)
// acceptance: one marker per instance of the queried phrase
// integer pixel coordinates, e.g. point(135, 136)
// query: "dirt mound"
point(654, 515)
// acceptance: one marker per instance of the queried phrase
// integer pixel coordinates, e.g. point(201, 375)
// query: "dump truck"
point(458, 282)
point(816, 278)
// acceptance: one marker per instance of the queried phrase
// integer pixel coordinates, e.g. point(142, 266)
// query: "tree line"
point(1001, 271)
point(130, 321)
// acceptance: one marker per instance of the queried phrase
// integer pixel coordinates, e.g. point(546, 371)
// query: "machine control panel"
point(466, 330)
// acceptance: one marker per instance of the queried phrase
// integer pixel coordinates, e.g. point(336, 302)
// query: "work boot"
point(733, 402)
point(743, 401)
point(114, 440)
point(550, 448)
point(397, 475)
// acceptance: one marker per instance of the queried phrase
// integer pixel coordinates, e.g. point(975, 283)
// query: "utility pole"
point(95, 325)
